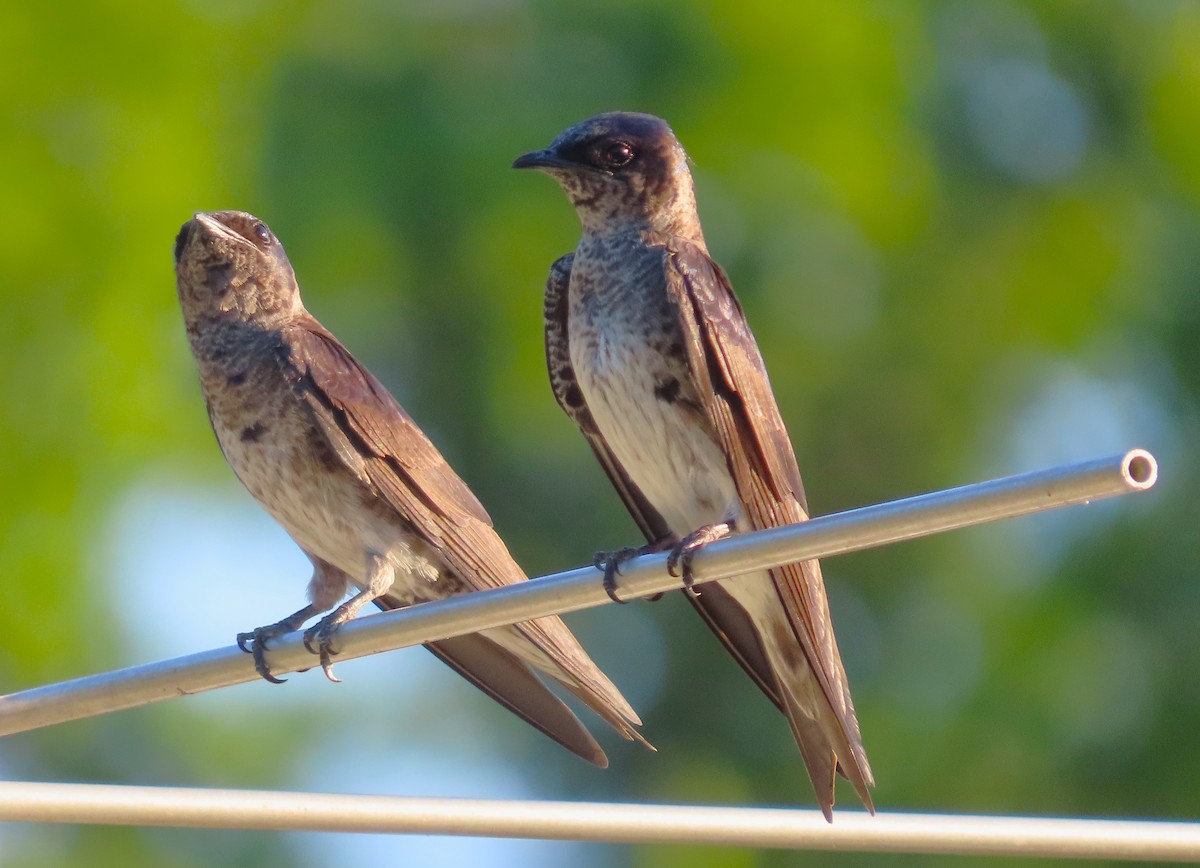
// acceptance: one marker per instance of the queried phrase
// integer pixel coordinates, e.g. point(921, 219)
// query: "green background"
point(966, 235)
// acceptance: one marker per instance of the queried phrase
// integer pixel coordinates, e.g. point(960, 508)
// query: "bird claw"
point(679, 562)
point(255, 642)
point(318, 639)
point(327, 666)
point(610, 564)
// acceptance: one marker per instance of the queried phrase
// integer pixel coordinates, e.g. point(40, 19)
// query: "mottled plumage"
point(332, 456)
point(650, 354)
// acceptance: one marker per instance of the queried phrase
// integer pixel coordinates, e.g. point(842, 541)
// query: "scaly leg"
point(318, 639)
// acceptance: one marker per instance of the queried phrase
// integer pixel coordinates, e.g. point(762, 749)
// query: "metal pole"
point(604, 822)
point(578, 589)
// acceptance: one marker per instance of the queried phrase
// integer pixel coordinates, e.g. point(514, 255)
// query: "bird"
point(331, 455)
point(650, 354)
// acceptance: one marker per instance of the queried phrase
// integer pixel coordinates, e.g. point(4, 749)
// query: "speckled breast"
point(626, 348)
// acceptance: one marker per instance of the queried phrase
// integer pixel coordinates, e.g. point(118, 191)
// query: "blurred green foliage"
point(967, 236)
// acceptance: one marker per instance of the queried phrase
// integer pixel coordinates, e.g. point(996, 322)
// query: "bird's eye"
point(617, 154)
point(262, 234)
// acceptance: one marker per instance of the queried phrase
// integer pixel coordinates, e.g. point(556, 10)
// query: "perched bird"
point(331, 455)
point(650, 354)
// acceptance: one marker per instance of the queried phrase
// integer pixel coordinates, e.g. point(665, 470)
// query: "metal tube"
point(605, 822)
point(853, 530)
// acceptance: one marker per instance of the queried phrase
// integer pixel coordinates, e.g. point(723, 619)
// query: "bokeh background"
point(967, 236)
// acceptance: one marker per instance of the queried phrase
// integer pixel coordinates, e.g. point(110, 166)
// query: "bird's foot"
point(255, 642)
point(610, 564)
point(679, 562)
point(318, 639)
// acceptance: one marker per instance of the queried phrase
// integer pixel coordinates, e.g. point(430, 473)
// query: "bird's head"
point(622, 170)
point(229, 266)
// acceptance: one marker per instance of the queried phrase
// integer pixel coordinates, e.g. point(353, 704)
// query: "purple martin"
point(650, 354)
point(331, 455)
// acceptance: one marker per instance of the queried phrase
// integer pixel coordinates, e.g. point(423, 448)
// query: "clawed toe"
point(612, 560)
point(610, 582)
point(319, 640)
point(327, 665)
point(679, 562)
point(610, 563)
point(255, 643)
point(261, 667)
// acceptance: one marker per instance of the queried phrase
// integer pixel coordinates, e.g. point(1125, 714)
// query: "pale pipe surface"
point(851, 831)
point(827, 535)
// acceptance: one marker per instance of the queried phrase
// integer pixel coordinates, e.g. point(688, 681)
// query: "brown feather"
point(739, 402)
point(724, 616)
point(503, 677)
point(394, 457)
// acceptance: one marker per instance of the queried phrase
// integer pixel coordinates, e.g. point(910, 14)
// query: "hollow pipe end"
point(1139, 470)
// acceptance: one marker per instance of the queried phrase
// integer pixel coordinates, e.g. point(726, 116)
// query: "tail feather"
point(505, 678)
point(548, 645)
point(819, 759)
point(502, 663)
point(828, 737)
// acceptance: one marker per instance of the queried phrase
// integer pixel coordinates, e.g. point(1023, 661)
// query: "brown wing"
point(371, 434)
point(387, 441)
point(501, 675)
point(724, 616)
point(570, 398)
point(742, 408)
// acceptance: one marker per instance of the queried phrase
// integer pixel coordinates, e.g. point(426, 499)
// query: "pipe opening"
point(1140, 469)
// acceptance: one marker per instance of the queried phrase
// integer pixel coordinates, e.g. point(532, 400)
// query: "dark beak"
point(181, 239)
point(544, 159)
point(205, 227)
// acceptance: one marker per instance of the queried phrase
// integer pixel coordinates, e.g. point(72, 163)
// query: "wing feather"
point(741, 406)
point(371, 434)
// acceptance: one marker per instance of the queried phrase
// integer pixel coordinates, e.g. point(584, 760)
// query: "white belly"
point(323, 511)
point(667, 448)
point(671, 455)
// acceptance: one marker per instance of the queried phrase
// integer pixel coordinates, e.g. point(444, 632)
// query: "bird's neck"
point(679, 215)
point(214, 338)
point(612, 228)
point(663, 209)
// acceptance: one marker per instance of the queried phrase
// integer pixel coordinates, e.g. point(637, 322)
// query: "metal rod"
point(849, 531)
point(604, 822)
